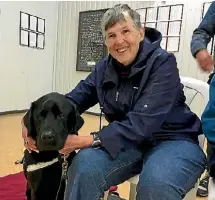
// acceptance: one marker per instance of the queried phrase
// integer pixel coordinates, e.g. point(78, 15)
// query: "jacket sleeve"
point(208, 124)
point(208, 116)
point(206, 30)
point(84, 95)
point(149, 112)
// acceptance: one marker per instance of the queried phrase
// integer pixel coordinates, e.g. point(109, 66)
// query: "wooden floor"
point(11, 147)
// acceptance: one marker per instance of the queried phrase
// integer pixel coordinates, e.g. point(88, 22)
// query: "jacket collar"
point(111, 75)
point(147, 46)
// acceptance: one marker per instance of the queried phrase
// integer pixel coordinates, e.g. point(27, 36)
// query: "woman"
point(139, 91)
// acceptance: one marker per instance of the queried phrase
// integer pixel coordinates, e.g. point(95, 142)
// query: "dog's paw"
point(20, 161)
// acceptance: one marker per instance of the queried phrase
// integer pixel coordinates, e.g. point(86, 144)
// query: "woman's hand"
point(74, 142)
point(29, 142)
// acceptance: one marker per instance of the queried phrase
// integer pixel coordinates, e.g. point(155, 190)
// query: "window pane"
point(24, 20)
point(163, 13)
point(174, 28)
point(24, 37)
point(41, 25)
point(142, 13)
point(33, 38)
point(173, 44)
point(163, 43)
point(33, 23)
point(162, 27)
point(40, 41)
point(151, 14)
point(176, 12)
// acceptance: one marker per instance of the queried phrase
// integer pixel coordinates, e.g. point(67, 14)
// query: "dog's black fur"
point(49, 121)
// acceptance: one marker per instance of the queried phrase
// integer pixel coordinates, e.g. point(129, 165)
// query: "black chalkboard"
point(91, 47)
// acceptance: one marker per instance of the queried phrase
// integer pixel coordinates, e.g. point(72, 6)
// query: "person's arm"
point(84, 95)
point(149, 112)
point(206, 30)
point(200, 39)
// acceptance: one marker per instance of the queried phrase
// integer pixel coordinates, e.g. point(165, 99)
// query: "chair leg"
point(132, 195)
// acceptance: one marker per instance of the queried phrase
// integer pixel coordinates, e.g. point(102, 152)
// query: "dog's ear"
point(75, 121)
point(29, 121)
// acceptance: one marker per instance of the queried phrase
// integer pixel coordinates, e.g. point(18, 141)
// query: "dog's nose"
point(47, 136)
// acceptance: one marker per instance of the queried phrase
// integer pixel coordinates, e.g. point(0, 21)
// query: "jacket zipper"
point(132, 99)
point(117, 95)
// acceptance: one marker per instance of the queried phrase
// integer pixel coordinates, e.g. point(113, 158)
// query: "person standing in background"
point(200, 40)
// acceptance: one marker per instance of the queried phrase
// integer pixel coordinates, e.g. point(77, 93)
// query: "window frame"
point(29, 30)
point(166, 21)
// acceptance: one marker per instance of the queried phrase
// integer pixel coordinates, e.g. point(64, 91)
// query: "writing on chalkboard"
point(91, 47)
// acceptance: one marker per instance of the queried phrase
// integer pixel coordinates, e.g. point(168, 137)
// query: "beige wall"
point(25, 73)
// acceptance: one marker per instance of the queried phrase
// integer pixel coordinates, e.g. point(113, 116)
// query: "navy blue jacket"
point(147, 107)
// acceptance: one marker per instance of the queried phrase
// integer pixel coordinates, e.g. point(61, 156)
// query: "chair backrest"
point(192, 87)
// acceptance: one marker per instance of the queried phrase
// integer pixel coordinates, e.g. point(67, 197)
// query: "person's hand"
point(205, 60)
point(74, 142)
point(29, 143)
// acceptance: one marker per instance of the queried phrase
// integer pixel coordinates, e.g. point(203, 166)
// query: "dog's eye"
point(39, 116)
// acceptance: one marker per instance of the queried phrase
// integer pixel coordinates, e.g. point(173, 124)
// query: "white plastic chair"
point(197, 87)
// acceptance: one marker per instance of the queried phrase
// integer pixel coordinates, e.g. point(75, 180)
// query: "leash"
point(65, 167)
point(64, 177)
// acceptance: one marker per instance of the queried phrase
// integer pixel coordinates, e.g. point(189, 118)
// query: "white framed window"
point(166, 19)
point(32, 31)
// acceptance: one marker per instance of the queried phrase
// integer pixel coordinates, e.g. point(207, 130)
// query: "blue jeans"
point(168, 171)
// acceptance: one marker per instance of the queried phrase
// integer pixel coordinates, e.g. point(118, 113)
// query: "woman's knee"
point(84, 173)
point(82, 163)
point(170, 172)
point(154, 189)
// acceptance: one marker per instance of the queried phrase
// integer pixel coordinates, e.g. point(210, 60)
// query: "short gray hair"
point(117, 13)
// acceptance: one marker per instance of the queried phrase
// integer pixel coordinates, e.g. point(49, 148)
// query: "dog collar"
point(41, 165)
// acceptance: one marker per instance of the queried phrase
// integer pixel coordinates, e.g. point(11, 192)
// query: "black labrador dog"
point(49, 121)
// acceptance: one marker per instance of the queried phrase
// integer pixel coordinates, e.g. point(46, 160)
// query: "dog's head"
point(50, 119)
